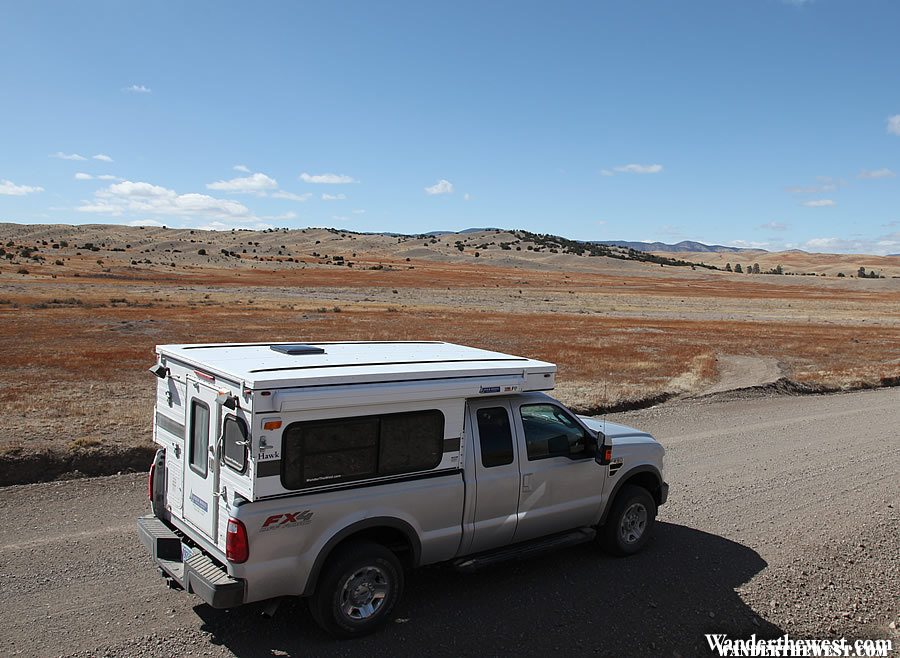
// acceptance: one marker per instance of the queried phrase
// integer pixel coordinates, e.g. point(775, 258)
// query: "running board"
point(525, 549)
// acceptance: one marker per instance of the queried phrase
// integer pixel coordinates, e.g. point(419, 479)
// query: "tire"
point(346, 602)
point(630, 521)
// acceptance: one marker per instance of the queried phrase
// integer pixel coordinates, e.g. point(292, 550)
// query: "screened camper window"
point(332, 451)
point(234, 443)
point(199, 437)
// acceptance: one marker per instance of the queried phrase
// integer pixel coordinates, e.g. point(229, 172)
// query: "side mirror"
point(604, 450)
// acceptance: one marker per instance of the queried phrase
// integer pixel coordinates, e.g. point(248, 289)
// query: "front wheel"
point(358, 590)
point(629, 522)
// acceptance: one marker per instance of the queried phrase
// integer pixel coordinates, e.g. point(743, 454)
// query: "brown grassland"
point(78, 326)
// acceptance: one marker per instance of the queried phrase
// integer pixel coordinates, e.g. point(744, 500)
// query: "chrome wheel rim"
point(364, 593)
point(633, 524)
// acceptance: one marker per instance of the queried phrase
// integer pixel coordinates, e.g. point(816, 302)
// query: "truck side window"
point(495, 437)
point(234, 443)
point(551, 432)
point(199, 437)
point(331, 451)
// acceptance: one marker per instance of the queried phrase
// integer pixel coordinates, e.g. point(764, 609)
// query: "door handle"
point(526, 482)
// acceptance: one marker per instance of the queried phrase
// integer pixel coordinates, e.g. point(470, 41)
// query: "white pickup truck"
point(325, 470)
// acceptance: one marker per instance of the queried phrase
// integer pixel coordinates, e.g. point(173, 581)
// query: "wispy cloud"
point(258, 184)
point(242, 168)
point(8, 188)
point(893, 124)
point(137, 89)
point(467, 197)
point(824, 184)
point(774, 226)
point(327, 179)
point(359, 211)
point(281, 194)
point(820, 203)
point(632, 169)
point(85, 176)
point(333, 197)
point(441, 187)
point(102, 157)
point(59, 155)
point(876, 173)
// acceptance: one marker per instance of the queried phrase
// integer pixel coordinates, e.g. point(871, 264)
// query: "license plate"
point(186, 552)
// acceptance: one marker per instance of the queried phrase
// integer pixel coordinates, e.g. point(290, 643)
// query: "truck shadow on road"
point(577, 601)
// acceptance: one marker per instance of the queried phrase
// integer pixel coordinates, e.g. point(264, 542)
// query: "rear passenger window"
point(199, 437)
point(322, 452)
point(495, 437)
point(234, 443)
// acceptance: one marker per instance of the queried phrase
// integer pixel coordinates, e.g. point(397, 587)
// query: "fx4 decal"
point(277, 521)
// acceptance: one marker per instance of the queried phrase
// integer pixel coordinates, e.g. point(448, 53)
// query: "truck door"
point(201, 468)
point(496, 474)
point(561, 485)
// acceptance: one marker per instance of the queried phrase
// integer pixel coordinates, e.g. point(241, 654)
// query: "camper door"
point(201, 468)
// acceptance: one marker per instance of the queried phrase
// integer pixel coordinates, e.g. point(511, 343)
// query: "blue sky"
point(750, 122)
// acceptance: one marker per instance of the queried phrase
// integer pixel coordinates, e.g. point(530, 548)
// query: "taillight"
point(150, 480)
point(237, 548)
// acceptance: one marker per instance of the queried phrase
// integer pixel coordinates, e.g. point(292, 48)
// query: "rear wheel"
point(630, 521)
point(358, 589)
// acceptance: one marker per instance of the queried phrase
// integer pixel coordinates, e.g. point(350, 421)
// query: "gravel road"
point(783, 517)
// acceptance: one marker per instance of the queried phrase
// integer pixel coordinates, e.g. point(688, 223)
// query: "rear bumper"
point(663, 493)
point(198, 574)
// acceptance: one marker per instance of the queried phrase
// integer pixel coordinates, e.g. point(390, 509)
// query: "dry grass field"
point(78, 322)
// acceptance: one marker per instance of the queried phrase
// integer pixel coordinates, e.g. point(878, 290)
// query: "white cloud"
point(148, 199)
point(59, 155)
point(144, 222)
point(281, 194)
point(876, 173)
point(467, 197)
point(257, 184)
point(359, 211)
point(607, 172)
point(441, 187)
point(885, 244)
point(137, 89)
point(339, 218)
point(893, 124)
point(820, 203)
point(333, 197)
point(242, 168)
point(749, 244)
point(84, 176)
point(774, 226)
point(327, 179)
point(638, 169)
point(282, 217)
point(103, 157)
point(222, 226)
point(8, 188)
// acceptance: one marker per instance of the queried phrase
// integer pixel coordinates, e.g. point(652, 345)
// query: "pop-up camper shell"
point(250, 392)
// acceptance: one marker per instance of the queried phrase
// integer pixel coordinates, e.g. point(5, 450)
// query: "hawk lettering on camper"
point(277, 521)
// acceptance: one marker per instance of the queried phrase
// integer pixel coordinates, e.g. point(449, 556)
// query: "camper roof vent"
point(297, 348)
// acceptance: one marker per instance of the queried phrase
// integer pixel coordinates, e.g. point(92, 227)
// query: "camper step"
point(525, 549)
point(159, 539)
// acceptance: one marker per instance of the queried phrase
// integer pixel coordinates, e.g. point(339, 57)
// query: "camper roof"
point(280, 365)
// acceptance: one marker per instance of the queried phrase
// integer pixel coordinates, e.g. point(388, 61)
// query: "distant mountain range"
point(683, 246)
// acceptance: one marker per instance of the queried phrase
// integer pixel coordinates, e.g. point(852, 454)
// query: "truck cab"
point(328, 470)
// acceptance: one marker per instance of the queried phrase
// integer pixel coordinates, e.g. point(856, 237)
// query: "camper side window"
point(199, 437)
point(234, 443)
point(331, 451)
